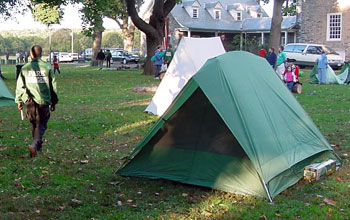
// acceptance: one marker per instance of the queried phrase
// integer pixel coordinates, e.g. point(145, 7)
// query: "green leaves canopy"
point(47, 14)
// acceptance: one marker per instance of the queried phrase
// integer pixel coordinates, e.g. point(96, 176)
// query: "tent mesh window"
point(197, 126)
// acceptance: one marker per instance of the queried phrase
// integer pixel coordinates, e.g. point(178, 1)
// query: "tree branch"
point(168, 6)
point(138, 22)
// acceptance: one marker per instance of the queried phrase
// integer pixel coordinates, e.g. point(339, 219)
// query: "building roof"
point(212, 5)
point(264, 24)
point(188, 3)
point(206, 22)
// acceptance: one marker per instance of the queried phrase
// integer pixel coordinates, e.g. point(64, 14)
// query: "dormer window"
point(195, 13)
point(238, 16)
point(259, 15)
point(217, 14)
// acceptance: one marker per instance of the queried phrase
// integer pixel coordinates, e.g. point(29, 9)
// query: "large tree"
point(275, 31)
point(154, 29)
point(92, 16)
point(118, 12)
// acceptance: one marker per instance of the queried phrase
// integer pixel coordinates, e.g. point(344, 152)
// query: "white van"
point(306, 54)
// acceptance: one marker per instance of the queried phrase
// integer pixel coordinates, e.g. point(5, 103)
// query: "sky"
point(71, 19)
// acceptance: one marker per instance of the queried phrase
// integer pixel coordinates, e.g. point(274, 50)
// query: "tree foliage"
point(112, 40)
point(289, 9)
point(46, 14)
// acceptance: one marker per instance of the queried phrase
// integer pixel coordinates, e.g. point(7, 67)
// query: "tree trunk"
point(154, 30)
point(275, 32)
point(96, 46)
point(128, 37)
point(151, 48)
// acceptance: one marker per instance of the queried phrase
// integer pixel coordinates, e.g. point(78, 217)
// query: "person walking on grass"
point(108, 59)
point(36, 88)
point(56, 67)
point(322, 67)
point(100, 58)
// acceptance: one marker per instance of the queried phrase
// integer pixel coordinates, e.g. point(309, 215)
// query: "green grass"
point(101, 120)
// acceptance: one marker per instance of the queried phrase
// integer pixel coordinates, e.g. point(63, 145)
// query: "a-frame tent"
point(190, 56)
point(6, 97)
point(234, 127)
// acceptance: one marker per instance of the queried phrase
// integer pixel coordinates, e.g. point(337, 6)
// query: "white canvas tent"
point(189, 57)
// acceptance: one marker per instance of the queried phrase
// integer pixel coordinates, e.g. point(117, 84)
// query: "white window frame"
point(329, 28)
point(219, 13)
point(240, 17)
point(197, 10)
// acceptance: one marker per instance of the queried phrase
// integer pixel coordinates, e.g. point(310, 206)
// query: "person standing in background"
point(271, 57)
point(322, 67)
point(108, 58)
point(262, 52)
point(281, 58)
point(169, 54)
point(158, 60)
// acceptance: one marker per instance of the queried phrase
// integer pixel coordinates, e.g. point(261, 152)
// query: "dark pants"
point(158, 67)
point(58, 70)
point(108, 63)
point(38, 116)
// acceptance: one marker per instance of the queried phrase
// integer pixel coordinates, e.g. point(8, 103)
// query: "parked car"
point(74, 56)
point(306, 54)
point(134, 58)
point(120, 56)
point(64, 57)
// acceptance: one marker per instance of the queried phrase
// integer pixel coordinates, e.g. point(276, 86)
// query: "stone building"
point(325, 22)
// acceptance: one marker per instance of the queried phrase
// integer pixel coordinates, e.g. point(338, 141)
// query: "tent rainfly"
point(331, 77)
point(189, 57)
point(6, 97)
point(233, 127)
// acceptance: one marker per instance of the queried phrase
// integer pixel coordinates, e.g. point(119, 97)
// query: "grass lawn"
point(99, 120)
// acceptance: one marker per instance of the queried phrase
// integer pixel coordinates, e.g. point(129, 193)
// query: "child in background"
point(289, 78)
point(55, 65)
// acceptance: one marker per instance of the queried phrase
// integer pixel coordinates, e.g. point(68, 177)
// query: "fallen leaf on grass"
point(263, 217)
point(330, 202)
point(207, 214)
point(339, 179)
point(184, 194)
point(321, 204)
point(173, 215)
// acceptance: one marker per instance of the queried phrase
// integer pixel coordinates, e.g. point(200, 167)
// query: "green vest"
point(36, 81)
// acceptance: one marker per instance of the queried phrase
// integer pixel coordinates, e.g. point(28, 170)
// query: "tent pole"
point(267, 190)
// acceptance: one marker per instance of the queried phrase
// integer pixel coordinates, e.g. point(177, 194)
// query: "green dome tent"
point(234, 127)
point(331, 77)
point(6, 97)
point(344, 75)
